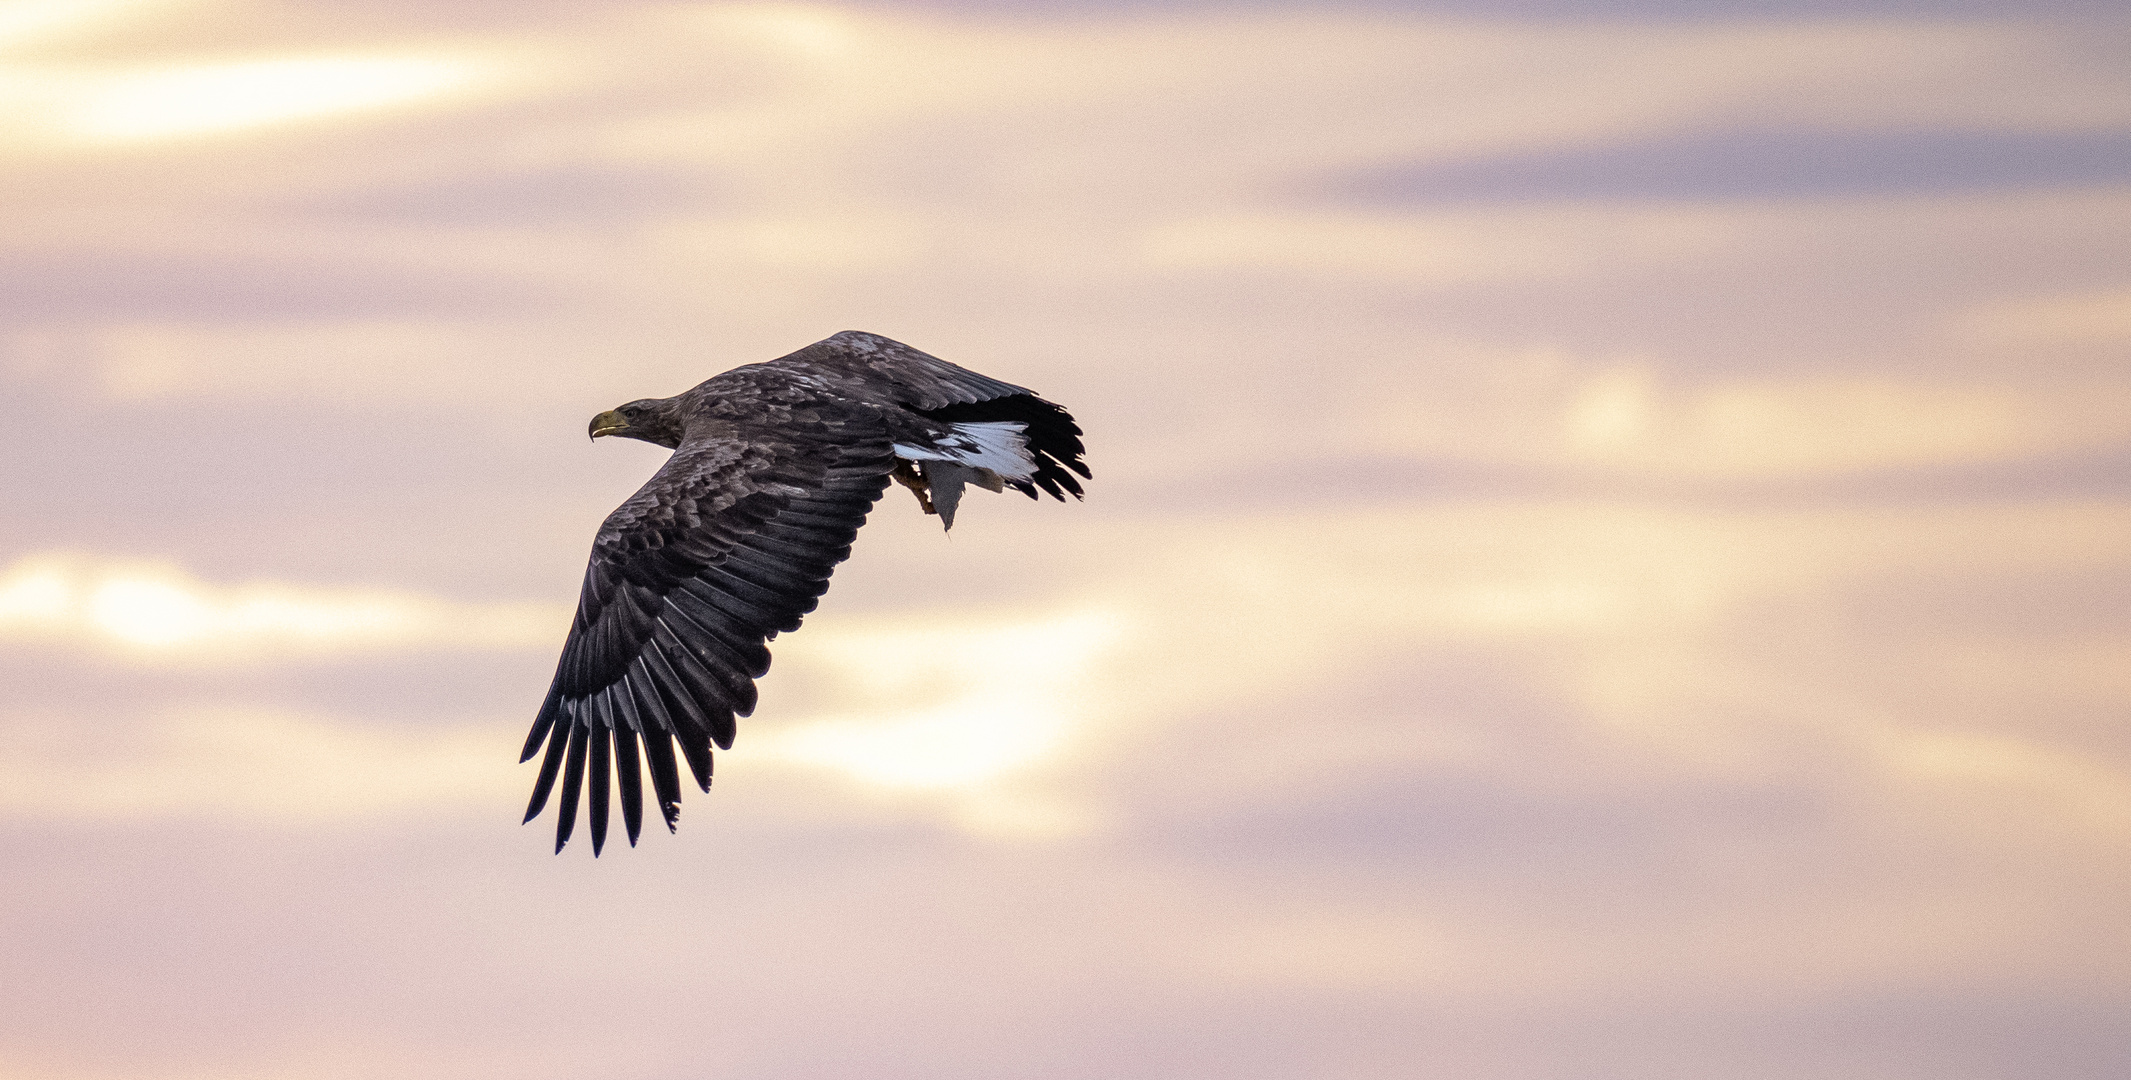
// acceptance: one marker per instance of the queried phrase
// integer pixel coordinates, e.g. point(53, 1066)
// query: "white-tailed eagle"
point(774, 468)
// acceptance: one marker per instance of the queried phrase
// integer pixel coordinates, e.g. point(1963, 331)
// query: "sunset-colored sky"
point(1609, 555)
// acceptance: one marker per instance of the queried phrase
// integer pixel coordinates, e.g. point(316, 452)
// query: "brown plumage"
point(732, 541)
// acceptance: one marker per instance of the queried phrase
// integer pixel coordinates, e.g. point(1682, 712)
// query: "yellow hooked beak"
point(608, 423)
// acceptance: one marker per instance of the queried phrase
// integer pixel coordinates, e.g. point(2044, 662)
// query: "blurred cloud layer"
point(1609, 557)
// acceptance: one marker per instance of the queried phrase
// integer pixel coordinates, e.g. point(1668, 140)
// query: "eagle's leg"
point(907, 475)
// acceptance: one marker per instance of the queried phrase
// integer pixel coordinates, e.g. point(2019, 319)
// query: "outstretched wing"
point(728, 544)
point(884, 369)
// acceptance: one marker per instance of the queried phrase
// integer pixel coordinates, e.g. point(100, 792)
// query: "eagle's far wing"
point(732, 541)
point(887, 369)
point(912, 377)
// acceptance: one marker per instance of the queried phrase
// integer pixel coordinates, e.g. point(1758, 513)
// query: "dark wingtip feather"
point(698, 755)
point(665, 779)
point(573, 776)
point(628, 774)
point(542, 723)
point(602, 770)
point(545, 782)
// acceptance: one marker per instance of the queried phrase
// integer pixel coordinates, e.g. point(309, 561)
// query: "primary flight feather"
point(774, 468)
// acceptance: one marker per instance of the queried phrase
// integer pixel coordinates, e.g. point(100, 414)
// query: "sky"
point(1609, 553)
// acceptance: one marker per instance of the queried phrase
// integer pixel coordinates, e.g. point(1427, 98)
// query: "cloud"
point(1478, 758)
point(60, 107)
point(532, 197)
point(950, 706)
point(2097, 318)
point(1438, 250)
point(30, 23)
point(158, 614)
point(1629, 624)
point(244, 763)
point(1705, 166)
point(1452, 416)
point(366, 362)
point(221, 98)
point(951, 701)
point(1807, 427)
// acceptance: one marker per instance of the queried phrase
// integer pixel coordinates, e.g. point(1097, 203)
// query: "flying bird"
point(774, 468)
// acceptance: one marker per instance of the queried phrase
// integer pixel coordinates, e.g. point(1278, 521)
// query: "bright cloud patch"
point(209, 98)
point(28, 21)
point(949, 707)
point(1652, 416)
point(1749, 429)
point(148, 610)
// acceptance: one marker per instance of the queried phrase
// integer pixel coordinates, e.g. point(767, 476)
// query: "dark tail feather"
point(1053, 439)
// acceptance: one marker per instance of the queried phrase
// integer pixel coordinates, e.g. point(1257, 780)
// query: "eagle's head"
point(654, 420)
